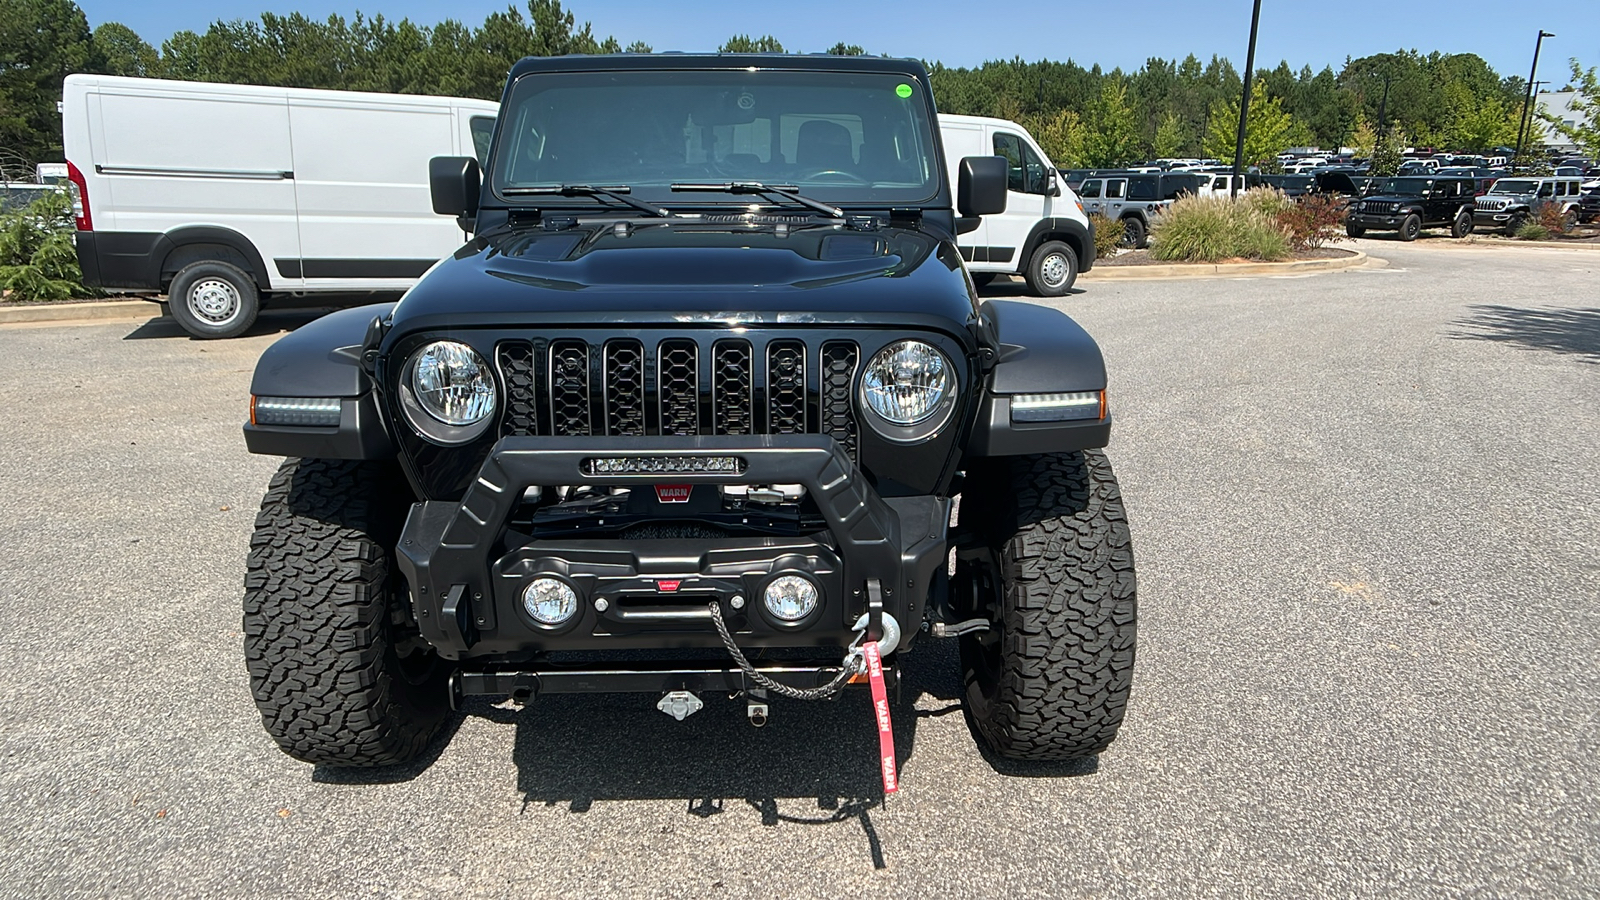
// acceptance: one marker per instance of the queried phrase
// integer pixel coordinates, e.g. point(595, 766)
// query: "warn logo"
point(673, 493)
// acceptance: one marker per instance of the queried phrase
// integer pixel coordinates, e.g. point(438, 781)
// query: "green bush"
point(1533, 231)
point(1211, 229)
point(1107, 235)
point(37, 259)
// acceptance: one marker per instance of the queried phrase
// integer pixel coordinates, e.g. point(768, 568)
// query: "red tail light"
point(80, 198)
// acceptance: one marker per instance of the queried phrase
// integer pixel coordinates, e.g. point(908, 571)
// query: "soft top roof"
point(646, 61)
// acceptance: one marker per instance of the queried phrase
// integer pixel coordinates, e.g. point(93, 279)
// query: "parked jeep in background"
point(1410, 204)
point(1134, 199)
point(688, 415)
point(1512, 202)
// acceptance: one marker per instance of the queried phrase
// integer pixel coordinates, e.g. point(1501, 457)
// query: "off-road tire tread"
point(317, 620)
point(1069, 605)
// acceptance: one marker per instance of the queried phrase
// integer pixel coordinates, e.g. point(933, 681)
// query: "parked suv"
point(688, 416)
point(1513, 201)
point(1135, 198)
point(1410, 204)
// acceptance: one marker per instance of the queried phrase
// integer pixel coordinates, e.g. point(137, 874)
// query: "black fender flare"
point(323, 359)
point(178, 238)
point(1039, 350)
point(1075, 234)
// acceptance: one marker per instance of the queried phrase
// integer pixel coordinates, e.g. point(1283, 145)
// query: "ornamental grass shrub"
point(1211, 229)
point(1107, 235)
point(1533, 231)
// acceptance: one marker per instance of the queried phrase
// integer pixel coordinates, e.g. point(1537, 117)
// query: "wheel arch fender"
point(323, 359)
point(190, 243)
point(1077, 235)
point(1039, 350)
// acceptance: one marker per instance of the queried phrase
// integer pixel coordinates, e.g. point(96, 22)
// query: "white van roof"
point(167, 86)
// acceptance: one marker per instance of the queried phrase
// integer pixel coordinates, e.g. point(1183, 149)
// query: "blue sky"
point(963, 32)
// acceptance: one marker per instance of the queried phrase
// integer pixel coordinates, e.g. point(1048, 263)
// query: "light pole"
point(1244, 105)
point(1527, 104)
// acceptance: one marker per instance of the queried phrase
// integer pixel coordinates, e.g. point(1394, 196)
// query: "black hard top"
point(646, 61)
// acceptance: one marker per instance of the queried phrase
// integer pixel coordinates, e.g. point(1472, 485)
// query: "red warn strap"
point(880, 706)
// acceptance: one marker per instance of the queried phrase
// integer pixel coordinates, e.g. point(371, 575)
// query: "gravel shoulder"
point(1362, 506)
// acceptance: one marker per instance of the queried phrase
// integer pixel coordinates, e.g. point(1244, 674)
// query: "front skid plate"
point(529, 684)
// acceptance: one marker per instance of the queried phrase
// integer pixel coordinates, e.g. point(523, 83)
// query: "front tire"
point(1462, 226)
point(1410, 227)
point(1133, 234)
point(1355, 231)
point(213, 299)
point(1052, 269)
point(1047, 557)
point(1515, 223)
point(336, 665)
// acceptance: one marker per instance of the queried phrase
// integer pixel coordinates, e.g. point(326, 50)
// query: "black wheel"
point(1462, 226)
point(1052, 269)
point(1410, 227)
point(982, 279)
point(1355, 231)
point(213, 299)
point(338, 669)
point(1133, 234)
point(1046, 557)
point(1569, 220)
point(1515, 223)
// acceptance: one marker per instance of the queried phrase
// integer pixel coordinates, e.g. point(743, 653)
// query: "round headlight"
point(790, 597)
point(550, 601)
point(907, 382)
point(453, 383)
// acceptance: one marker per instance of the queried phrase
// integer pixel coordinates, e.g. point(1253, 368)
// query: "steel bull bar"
point(888, 550)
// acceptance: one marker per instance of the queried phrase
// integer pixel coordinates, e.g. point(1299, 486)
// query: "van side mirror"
point(454, 183)
point(981, 186)
point(1052, 183)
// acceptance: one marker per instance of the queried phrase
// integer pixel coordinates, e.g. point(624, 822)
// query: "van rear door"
point(361, 181)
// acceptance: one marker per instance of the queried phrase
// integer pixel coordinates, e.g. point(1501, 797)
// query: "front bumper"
point(466, 570)
point(1377, 221)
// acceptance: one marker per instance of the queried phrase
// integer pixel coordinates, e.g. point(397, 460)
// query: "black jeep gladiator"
point(689, 414)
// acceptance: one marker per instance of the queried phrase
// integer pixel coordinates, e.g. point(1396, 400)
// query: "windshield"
point(1513, 186)
point(1409, 187)
point(840, 136)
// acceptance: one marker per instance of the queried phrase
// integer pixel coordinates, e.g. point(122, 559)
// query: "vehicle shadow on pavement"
point(269, 322)
point(1572, 332)
point(1018, 289)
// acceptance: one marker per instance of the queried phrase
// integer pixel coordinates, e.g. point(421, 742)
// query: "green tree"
point(1586, 103)
point(1269, 131)
point(743, 43)
point(843, 49)
point(1112, 133)
point(116, 50)
point(1482, 126)
point(1060, 136)
point(41, 42)
point(1171, 140)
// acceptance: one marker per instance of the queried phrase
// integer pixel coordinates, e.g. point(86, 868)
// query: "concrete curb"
point(1211, 270)
point(1507, 242)
point(104, 311)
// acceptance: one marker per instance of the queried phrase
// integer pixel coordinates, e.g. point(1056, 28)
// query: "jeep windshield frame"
point(1515, 186)
point(842, 137)
point(1400, 186)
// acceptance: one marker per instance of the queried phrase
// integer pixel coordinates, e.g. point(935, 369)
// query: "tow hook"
point(680, 704)
point(755, 706)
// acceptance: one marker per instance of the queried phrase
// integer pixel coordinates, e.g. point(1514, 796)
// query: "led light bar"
point(308, 411)
point(663, 465)
point(1058, 407)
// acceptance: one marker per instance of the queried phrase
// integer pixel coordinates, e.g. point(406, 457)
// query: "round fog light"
point(550, 601)
point(790, 597)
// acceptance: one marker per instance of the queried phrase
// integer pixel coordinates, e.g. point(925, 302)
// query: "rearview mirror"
point(454, 183)
point(981, 186)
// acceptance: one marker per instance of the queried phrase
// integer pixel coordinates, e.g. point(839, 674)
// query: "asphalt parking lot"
point(1364, 511)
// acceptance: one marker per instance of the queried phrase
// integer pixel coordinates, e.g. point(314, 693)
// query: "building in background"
point(1558, 104)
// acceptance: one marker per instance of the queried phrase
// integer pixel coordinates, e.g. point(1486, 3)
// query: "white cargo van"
point(1043, 235)
point(221, 195)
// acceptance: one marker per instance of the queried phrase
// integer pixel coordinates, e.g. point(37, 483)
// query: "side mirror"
point(1052, 184)
point(454, 182)
point(981, 186)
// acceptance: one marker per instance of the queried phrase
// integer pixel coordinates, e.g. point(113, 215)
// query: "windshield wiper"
point(618, 193)
point(786, 191)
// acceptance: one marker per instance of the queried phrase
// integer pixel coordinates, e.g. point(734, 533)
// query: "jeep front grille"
point(680, 386)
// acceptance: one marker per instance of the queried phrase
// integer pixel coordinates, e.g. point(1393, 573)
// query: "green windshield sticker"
point(903, 91)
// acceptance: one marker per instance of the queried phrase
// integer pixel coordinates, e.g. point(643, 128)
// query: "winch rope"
point(850, 666)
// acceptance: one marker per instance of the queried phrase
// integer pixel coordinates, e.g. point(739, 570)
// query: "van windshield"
point(839, 136)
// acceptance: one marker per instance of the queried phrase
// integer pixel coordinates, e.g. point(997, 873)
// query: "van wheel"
point(1133, 234)
point(1052, 270)
point(213, 299)
point(1462, 226)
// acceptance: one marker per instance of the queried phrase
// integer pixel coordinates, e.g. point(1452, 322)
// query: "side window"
point(1114, 188)
point(1010, 147)
point(1547, 189)
point(1090, 189)
point(1034, 181)
point(482, 132)
point(1221, 184)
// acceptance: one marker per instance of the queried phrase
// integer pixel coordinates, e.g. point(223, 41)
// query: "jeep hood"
point(738, 271)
